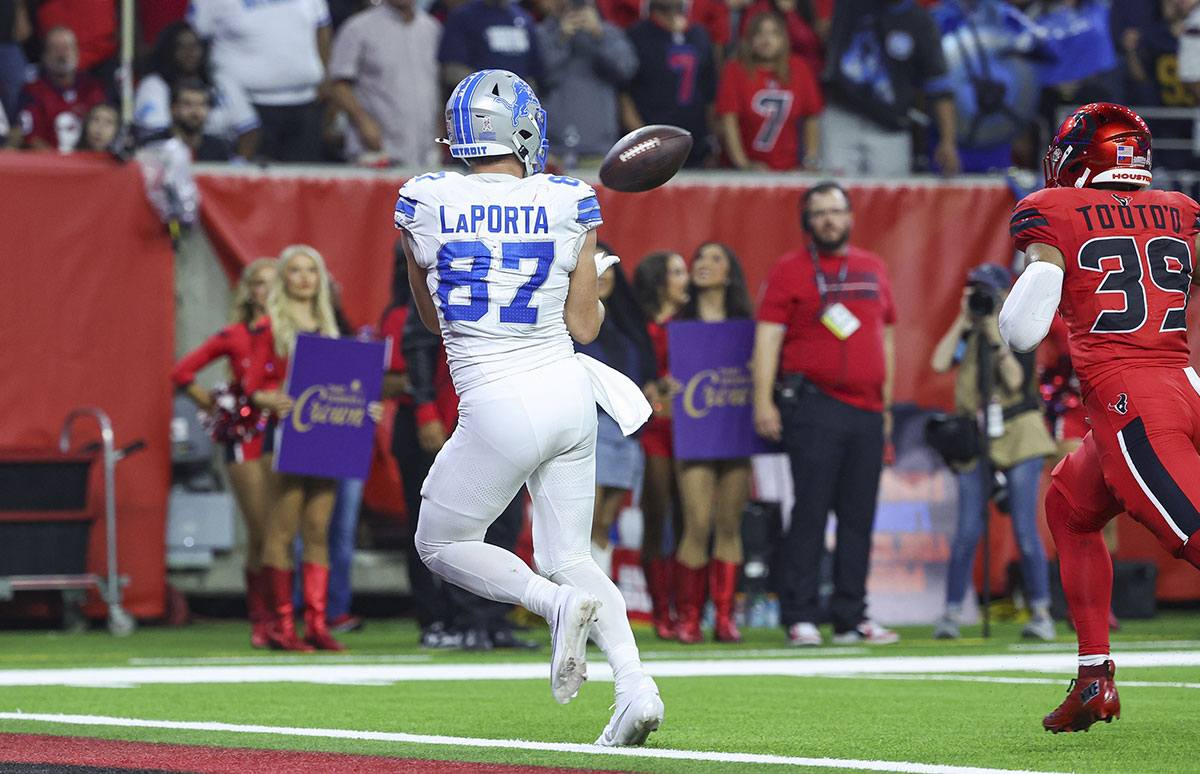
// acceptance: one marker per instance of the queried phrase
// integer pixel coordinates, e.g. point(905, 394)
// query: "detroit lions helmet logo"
point(1121, 406)
point(525, 103)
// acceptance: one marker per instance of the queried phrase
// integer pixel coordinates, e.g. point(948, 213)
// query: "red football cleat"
point(1091, 697)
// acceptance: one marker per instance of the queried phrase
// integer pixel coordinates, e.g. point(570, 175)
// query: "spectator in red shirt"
point(52, 108)
point(763, 96)
point(825, 330)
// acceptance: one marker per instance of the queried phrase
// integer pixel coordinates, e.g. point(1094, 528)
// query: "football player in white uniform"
point(502, 264)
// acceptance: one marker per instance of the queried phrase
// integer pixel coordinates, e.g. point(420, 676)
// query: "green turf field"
point(961, 716)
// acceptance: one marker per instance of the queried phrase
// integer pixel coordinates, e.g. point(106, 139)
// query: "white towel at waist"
point(616, 393)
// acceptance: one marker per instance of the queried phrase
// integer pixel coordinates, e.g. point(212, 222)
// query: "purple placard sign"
point(328, 432)
point(713, 416)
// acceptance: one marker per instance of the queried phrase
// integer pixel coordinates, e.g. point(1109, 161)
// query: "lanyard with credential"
point(819, 277)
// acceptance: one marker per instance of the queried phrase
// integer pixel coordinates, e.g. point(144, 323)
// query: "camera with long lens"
point(982, 300)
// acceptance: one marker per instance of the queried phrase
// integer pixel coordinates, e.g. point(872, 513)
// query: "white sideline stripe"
point(598, 670)
point(1009, 680)
point(1137, 475)
point(516, 744)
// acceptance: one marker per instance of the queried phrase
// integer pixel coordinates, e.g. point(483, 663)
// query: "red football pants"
point(1141, 456)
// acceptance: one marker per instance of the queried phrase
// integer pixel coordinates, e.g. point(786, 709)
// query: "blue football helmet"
point(493, 112)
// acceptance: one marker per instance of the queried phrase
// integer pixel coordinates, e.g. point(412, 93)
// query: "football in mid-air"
point(646, 158)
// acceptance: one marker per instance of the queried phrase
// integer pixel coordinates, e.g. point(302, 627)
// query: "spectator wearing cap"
point(277, 51)
point(384, 72)
point(823, 364)
point(1019, 445)
point(881, 56)
point(587, 61)
point(53, 107)
point(489, 34)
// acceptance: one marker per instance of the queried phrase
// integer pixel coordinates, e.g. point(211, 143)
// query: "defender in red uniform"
point(1117, 262)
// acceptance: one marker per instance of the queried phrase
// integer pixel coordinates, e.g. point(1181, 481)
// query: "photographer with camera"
point(1018, 440)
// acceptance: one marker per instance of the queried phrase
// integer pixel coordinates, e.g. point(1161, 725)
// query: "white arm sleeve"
point(1027, 313)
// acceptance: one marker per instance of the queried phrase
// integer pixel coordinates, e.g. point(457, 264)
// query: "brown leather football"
point(646, 158)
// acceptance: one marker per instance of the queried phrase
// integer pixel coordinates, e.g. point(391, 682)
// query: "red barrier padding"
point(88, 319)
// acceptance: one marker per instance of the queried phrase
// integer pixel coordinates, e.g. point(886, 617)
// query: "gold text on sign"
point(339, 405)
point(716, 387)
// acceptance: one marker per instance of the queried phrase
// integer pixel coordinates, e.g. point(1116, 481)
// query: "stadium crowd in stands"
point(853, 87)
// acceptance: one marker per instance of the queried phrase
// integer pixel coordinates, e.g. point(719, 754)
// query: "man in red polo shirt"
point(823, 364)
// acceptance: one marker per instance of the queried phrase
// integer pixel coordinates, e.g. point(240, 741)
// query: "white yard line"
point(376, 674)
point(904, 767)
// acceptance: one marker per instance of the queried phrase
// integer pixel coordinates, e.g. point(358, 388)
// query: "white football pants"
point(536, 428)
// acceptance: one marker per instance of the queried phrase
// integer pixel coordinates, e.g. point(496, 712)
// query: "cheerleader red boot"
point(722, 582)
point(316, 594)
point(281, 629)
point(689, 602)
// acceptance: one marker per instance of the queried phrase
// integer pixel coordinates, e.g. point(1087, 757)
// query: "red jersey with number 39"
point(1129, 261)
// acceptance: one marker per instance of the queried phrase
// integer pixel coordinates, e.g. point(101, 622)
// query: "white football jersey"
point(499, 251)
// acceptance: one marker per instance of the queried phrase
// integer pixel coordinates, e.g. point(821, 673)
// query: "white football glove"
point(605, 261)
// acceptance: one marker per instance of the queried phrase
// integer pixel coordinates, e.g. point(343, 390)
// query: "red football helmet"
point(1099, 143)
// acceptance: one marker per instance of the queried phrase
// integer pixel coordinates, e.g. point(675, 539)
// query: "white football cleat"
point(574, 614)
point(636, 714)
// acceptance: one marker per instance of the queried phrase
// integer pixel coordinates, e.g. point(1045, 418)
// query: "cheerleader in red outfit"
point(713, 492)
point(299, 301)
point(247, 460)
point(660, 283)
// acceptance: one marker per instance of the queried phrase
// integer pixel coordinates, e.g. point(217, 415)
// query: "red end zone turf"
point(114, 754)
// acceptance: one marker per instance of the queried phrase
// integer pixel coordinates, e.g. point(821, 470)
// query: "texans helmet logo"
point(1122, 404)
point(1124, 201)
